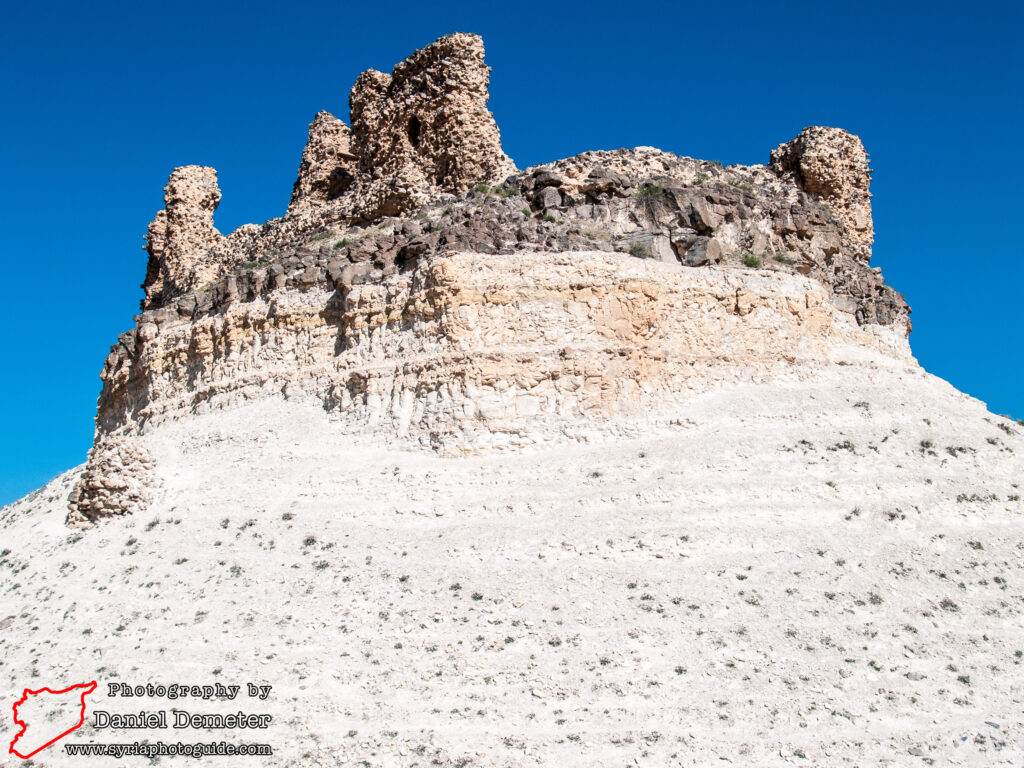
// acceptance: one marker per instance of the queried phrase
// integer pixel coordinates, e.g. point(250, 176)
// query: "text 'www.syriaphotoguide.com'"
point(162, 749)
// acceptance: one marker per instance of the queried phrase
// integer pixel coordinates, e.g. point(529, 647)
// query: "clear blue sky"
point(101, 100)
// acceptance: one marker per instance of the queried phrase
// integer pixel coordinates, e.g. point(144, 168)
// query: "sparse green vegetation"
point(321, 236)
point(701, 178)
point(956, 450)
point(500, 191)
point(741, 185)
point(963, 497)
point(750, 260)
point(650, 190)
point(550, 218)
point(248, 265)
point(783, 259)
point(639, 251)
point(341, 243)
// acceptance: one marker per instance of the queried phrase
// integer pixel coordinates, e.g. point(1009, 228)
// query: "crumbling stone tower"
point(421, 131)
point(328, 166)
point(831, 164)
point(426, 125)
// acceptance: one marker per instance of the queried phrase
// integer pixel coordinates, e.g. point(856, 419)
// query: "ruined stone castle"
point(422, 287)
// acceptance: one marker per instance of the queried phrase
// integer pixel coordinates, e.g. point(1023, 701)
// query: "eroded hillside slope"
point(821, 572)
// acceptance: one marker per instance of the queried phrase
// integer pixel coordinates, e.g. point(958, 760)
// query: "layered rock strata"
point(422, 288)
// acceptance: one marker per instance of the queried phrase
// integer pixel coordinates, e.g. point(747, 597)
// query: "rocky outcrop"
point(643, 203)
point(698, 213)
point(182, 235)
point(425, 128)
point(328, 166)
point(421, 288)
point(831, 165)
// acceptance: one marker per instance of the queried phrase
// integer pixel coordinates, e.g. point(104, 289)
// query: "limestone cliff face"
point(421, 288)
point(471, 351)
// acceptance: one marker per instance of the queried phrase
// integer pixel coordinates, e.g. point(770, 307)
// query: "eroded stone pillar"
point(831, 164)
point(181, 235)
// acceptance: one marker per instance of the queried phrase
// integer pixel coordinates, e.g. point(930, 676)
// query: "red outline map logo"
point(87, 689)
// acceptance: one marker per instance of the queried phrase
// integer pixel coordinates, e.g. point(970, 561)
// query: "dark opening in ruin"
point(338, 183)
point(414, 131)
